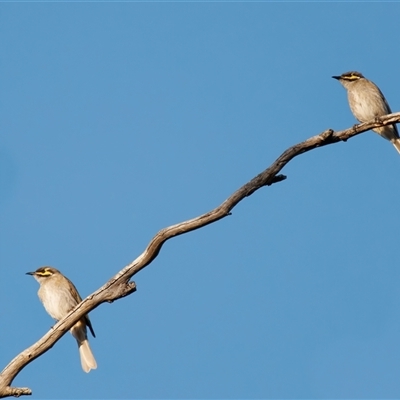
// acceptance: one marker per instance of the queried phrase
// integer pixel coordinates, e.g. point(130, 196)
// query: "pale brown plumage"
point(59, 296)
point(368, 102)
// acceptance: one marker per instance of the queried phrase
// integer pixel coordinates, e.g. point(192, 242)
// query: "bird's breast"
point(57, 301)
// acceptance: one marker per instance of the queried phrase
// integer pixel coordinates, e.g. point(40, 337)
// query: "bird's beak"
point(336, 77)
point(30, 273)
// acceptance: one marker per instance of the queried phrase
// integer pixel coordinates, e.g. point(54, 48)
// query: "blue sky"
point(119, 119)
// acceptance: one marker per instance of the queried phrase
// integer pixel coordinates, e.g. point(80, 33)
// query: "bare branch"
point(15, 392)
point(120, 286)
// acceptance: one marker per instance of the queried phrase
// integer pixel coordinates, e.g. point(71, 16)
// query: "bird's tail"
point(88, 361)
point(396, 144)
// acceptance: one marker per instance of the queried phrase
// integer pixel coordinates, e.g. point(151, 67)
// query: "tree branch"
point(120, 286)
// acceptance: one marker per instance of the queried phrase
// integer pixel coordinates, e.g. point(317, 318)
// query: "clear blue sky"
point(119, 119)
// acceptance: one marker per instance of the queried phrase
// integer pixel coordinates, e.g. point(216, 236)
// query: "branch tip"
point(15, 392)
point(276, 179)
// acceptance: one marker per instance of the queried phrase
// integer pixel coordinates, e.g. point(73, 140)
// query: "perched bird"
point(59, 296)
point(367, 102)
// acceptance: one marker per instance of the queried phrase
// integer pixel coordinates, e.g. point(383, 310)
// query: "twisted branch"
point(120, 286)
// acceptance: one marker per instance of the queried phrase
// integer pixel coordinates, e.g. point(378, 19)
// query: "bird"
point(59, 296)
point(367, 102)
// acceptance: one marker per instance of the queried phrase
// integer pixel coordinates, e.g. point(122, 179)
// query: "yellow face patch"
point(351, 77)
point(44, 272)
